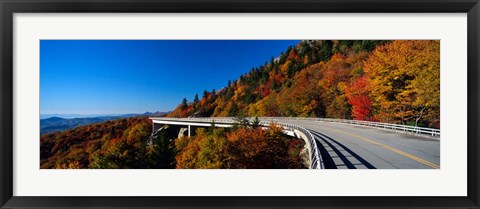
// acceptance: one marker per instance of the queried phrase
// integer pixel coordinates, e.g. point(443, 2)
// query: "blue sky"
point(117, 77)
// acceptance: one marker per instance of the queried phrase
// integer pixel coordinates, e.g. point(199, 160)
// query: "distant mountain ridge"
point(56, 123)
point(70, 116)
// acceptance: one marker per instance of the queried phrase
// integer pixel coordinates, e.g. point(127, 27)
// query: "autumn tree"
point(259, 148)
point(406, 80)
point(244, 147)
point(358, 97)
point(129, 151)
point(204, 150)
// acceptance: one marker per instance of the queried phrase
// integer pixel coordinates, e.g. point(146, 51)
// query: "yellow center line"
point(413, 157)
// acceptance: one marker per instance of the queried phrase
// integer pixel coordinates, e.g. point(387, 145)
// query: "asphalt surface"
point(353, 147)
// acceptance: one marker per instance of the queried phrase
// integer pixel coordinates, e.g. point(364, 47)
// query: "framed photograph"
point(239, 104)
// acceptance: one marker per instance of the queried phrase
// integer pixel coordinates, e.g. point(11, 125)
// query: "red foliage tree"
point(357, 95)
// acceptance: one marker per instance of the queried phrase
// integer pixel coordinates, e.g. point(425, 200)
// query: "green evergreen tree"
point(256, 122)
point(205, 94)
point(184, 103)
point(195, 100)
point(161, 153)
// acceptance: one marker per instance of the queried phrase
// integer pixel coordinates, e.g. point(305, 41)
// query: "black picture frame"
point(9, 7)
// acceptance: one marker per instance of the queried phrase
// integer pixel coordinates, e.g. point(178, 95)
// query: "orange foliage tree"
point(406, 80)
point(242, 147)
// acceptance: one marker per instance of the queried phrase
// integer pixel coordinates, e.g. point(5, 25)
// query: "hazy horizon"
point(75, 115)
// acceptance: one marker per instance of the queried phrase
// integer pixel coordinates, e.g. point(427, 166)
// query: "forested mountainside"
point(126, 144)
point(388, 81)
point(120, 143)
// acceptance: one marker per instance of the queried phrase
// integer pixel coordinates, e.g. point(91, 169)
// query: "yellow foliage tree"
point(405, 81)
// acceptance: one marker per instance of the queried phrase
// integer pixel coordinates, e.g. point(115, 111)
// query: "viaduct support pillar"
point(154, 127)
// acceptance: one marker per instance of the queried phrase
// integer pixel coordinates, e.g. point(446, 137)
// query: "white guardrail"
point(316, 161)
point(386, 126)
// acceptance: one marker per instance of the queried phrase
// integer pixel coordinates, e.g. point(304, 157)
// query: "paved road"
point(352, 147)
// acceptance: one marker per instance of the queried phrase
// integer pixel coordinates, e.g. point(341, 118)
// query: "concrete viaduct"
point(344, 144)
